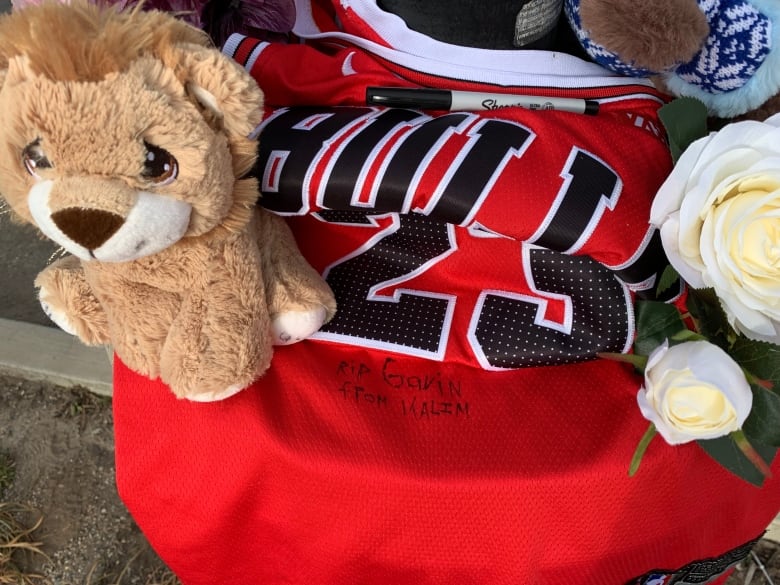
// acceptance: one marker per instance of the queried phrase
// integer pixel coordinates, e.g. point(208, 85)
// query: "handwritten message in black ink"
point(419, 395)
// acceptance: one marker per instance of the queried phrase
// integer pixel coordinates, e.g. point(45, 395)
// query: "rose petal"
point(737, 134)
point(669, 434)
point(773, 120)
point(724, 271)
point(773, 338)
point(716, 175)
point(766, 142)
point(671, 193)
point(689, 269)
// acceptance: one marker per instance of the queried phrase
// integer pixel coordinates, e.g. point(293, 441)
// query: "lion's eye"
point(159, 167)
point(34, 158)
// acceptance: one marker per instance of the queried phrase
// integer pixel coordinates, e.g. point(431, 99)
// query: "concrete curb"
point(45, 353)
point(773, 531)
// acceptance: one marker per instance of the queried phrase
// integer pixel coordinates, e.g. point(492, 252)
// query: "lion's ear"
point(18, 70)
point(221, 86)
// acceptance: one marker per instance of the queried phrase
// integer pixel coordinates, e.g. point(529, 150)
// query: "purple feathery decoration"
point(262, 19)
point(187, 10)
point(270, 20)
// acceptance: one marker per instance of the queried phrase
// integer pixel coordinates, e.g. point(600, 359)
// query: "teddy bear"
point(723, 53)
point(127, 139)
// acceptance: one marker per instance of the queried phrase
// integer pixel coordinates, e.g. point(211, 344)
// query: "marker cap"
point(400, 97)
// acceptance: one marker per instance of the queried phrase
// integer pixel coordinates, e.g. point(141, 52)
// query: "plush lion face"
point(118, 153)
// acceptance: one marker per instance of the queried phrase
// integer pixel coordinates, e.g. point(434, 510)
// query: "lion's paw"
point(294, 326)
point(215, 396)
point(60, 318)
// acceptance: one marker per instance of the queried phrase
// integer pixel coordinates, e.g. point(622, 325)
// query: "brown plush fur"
point(101, 42)
point(662, 32)
point(92, 88)
point(761, 113)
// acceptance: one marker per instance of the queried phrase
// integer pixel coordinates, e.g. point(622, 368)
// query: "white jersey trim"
point(414, 51)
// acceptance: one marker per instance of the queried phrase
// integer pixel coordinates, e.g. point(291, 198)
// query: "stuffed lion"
point(125, 138)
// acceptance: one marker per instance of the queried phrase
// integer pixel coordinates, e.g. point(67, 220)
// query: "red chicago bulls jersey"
point(451, 424)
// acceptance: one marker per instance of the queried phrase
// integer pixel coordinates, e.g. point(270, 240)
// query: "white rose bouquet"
point(712, 375)
point(719, 217)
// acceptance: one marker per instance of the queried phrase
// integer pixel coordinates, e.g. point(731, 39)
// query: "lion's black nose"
point(88, 227)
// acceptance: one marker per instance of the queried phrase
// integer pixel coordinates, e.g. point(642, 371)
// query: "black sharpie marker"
point(445, 99)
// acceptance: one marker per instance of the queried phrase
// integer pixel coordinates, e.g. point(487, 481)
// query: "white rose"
point(719, 218)
point(694, 391)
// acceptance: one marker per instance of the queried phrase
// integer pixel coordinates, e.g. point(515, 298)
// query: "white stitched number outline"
point(598, 311)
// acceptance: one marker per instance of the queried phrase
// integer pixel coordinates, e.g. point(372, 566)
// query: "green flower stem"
point(744, 445)
point(766, 384)
point(688, 335)
point(640, 449)
point(639, 361)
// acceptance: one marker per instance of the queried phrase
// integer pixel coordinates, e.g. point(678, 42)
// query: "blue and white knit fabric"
point(739, 41)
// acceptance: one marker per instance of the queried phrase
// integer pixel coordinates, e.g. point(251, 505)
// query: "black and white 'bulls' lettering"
point(355, 163)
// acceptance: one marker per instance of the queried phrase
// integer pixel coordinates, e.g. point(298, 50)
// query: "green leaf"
point(668, 277)
point(761, 361)
point(760, 358)
point(711, 321)
point(763, 422)
point(655, 322)
point(725, 451)
point(685, 120)
point(688, 335)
